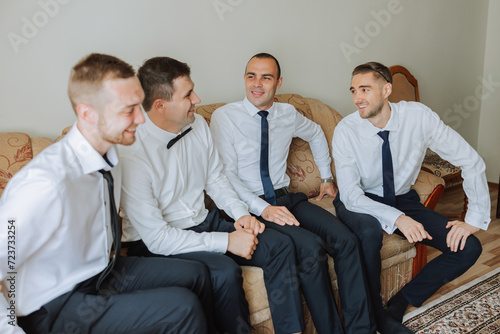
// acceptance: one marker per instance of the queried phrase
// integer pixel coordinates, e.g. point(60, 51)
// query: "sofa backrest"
point(16, 150)
point(303, 173)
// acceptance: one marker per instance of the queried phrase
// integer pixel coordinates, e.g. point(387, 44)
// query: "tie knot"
point(384, 135)
point(263, 113)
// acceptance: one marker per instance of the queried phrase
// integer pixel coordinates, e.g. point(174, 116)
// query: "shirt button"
point(386, 226)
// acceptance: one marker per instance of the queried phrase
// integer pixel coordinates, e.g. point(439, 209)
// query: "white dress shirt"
point(413, 127)
point(236, 129)
point(62, 225)
point(162, 192)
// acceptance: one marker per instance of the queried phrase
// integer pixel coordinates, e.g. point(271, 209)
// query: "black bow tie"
point(176, 139)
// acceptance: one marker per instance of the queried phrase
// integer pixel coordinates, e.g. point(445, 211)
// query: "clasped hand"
point(243, 242)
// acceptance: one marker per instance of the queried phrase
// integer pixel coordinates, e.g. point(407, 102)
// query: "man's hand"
point(458, 234)
point(327, 189)
point(279, 215)
point(412, 230)
point(242, 242)
point(251, 223)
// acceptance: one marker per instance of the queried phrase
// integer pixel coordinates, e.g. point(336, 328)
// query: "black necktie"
point(269, 194)
point(176, 139)
point(387, 170)
point(115, 228)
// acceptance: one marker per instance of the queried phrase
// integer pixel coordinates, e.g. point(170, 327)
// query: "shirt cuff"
point(325, 172)
point(258, 205)
point(238, 211)
point(389, 221)
point(477, 219)
point(220, 241)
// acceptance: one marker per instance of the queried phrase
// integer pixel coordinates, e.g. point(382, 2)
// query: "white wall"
point(489, 125)
point(441, 42)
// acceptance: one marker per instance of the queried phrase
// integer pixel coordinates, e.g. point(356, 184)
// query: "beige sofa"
point(17, 149)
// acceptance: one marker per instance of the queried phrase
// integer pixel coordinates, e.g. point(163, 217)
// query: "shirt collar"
point(90, 160)
point(392, 124)
point(163, 136)
point(253, 110)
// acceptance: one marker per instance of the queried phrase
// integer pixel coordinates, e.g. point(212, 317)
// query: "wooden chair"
point(405, 87)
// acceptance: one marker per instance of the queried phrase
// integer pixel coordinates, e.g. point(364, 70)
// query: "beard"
point(107, 134)
point(377, 109)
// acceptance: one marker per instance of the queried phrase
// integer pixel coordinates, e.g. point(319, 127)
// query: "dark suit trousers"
point(275, 255)
point(142, 296)
point(320, 233)
point(443, 269)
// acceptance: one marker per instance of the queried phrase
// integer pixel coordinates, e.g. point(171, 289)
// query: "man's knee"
point(188, 315)
point(228, 274)
point(200, 274)
point(345, 243)
point(370, 232)
point(310, 252)
point(472, 250)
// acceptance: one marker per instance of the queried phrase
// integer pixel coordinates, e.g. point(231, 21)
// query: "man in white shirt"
point(59, 222)
point(238, 133)
point(166, 172)
point(375, 175)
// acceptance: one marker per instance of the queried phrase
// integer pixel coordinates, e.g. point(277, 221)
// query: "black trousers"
point(320, 233)
point(275, 254)
point(441, 270)
point(140, 296)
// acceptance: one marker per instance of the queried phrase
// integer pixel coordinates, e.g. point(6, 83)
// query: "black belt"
point(279, 192)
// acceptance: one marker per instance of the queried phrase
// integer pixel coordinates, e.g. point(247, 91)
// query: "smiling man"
point(378, 151)
point(253, 137)
point(61, 214)
point(166, 173)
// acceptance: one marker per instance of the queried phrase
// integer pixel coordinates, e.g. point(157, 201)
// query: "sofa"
point(17, 149)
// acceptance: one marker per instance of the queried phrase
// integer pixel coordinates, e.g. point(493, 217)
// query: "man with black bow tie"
point(62, 205)
point(166, 173)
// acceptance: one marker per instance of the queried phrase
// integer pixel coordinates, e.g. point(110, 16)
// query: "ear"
point(387, 90)
point(280, 81)
point(158, 105)
point(86, 113)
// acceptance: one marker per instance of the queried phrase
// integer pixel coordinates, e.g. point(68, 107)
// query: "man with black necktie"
point(62, 211)
point(253, 137)
point(378, 151)
point(166, 172)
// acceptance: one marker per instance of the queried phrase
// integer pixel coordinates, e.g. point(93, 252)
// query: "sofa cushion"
point(16, 153)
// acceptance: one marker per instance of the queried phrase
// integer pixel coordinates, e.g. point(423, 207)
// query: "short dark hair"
point(264, 55)
point(88, 74)
point(157, 77)
point(381, 71)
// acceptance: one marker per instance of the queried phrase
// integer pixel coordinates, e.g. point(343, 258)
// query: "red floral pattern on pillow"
point(296, 172)
point(23, 154)
point(4, 178)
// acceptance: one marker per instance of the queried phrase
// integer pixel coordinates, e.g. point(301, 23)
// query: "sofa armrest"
point(429, 187)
